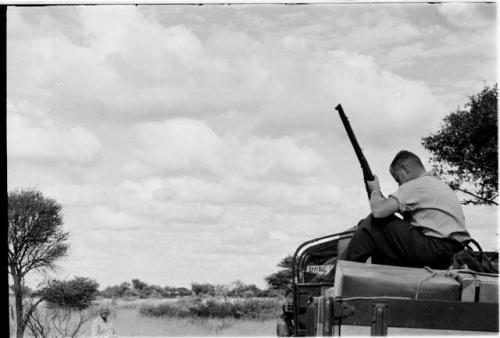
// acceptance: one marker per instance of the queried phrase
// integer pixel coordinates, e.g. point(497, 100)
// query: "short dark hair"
point(405, 156)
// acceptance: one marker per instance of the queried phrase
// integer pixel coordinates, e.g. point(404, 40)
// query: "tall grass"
point(131, 323)
point(256, 308)
point(187, 316)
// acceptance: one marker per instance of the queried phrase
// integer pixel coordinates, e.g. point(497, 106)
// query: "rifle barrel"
point(367, 173)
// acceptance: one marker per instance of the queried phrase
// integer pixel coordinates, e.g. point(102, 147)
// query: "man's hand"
point(381, 207)
point(373, 185)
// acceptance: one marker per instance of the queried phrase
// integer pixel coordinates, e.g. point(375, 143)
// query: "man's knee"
point(371, 223)
point(366, 222)
point(374, 225)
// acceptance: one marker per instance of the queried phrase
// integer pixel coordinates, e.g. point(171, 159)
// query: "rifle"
point(367, 173)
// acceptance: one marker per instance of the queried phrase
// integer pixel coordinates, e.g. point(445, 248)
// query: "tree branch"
point(476, 196)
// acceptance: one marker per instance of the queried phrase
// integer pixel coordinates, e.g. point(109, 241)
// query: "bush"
point(213, 308)
point(167, 309)
point(77, 293)
point(260, 308)
point(116, 290)
point(203, 289)
point(246, 309)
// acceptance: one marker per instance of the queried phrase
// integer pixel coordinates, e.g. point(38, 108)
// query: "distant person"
point(102, 326)
point(432, 228)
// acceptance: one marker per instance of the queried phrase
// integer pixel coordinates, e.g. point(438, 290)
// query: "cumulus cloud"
point(36, 137)
point(373, 97)
point(181, 144)
point(192, 146)
point(138, 67)
point(463, 14)
point(211, 131)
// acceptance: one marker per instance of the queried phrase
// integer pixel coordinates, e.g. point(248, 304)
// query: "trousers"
point(392, 241)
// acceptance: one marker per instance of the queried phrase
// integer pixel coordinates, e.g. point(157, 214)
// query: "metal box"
point(479, 288)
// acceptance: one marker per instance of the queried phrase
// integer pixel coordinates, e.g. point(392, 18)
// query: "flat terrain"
point(128, 322)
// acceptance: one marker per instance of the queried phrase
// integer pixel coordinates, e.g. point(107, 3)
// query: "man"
point(432, 228)
point(101, 326)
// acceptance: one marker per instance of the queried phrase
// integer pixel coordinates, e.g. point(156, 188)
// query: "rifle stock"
point(367, 173)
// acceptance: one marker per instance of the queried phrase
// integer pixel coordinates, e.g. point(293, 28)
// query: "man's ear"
point(405, 167)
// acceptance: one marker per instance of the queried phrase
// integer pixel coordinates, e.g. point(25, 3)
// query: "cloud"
point(180, 144)
point(33, 136)
point(210, 131)
point(192, 146)
point(139, 68)
point(373, 98)
point(462, 14)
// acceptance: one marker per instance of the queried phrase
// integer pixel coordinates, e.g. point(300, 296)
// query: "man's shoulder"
point(429, 180)
point(435, 182)
point(430, 186)
point(425, 184)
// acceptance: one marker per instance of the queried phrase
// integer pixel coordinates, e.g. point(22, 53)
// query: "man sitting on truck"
point(433, 224)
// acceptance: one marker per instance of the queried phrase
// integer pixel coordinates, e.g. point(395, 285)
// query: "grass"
point(129, 322)
point(256, 308)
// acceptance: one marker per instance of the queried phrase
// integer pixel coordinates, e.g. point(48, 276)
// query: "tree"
point(203, 289)
point(138, 284)
point(240, 289)
point(465, 150)
point(182, 291)
point(154, 291)
point(36, 241)
point(280, 280)
point(65, 313)
point(77, 293)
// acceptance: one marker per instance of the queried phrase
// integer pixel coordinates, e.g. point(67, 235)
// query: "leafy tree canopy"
point(36, 237)
point(465, 149)
point(138, 284)
point(203, 289)
point(35, 241)
point(280, 280)
point(77, 293)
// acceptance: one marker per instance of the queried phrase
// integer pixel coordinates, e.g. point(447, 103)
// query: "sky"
point(200, 143)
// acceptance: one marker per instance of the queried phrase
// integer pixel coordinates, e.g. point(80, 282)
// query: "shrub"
point(260, 308)
point(168, 309)
point(246, 309)
point(116, 290)
point(203, 289)
point(77, 293)
point(213, 308)
point(251, 308)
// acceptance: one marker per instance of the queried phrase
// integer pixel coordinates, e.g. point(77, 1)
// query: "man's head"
point(104, 312)
point(406, 166)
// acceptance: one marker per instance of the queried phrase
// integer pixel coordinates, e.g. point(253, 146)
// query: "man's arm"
point(381, 207)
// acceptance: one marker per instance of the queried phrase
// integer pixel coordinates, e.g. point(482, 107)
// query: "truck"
point(330, 296)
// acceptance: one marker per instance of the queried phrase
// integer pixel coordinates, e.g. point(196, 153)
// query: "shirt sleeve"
point(407, 197)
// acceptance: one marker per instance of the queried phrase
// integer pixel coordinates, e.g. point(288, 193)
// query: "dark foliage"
point(247, 309)
point(36, 240)
point(139, 289)
point(281, 280)
point(465, 150)
point(77, 293)
point(138, 285)
point(203, 289)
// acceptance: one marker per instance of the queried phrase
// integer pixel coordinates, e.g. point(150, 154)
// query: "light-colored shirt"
point(430, 203)
point(101, 328)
